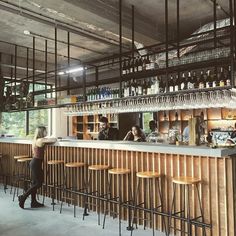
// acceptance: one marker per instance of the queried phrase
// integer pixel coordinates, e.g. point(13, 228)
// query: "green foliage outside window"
point(13, 124)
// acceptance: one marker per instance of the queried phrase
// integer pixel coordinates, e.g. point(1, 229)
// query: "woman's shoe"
point(36, 204)
point(21, 199)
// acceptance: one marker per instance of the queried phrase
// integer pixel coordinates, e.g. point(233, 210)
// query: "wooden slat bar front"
point(218, 175)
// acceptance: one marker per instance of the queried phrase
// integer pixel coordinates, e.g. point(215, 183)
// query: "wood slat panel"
point(217, 189)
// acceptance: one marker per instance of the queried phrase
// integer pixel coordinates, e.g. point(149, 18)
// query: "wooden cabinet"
point(87, 127)
point(214, 118)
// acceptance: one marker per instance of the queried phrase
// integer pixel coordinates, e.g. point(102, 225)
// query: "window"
point(13, 124)
point(147, 116)
point(36, 118)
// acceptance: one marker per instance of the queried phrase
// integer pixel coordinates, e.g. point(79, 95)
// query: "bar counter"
point(215, 167)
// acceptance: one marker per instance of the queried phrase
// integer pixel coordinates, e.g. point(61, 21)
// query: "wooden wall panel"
point(217, 189)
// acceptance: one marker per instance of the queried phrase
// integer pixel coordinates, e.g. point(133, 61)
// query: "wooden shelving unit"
point(213, 117)
point(87, 127)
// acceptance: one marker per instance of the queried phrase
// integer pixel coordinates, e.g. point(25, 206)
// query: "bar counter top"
point(139, 147)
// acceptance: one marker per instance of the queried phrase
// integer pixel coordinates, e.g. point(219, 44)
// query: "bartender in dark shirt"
point(106, 132)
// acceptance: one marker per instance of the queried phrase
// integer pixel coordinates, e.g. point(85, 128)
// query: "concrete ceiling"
point(93, 26)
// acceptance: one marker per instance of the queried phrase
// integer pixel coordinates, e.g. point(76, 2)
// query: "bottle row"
point(190, 80)
point(185, 81)
point(137, 64)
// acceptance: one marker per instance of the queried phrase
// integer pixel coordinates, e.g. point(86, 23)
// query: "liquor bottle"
point(190, 84)
point(201, 81)
point(176, 83)
point(131, 69)
point(144, 87)
point(133, 88)
point(228, 80)
point(162, 85)
point(124, 68)
point(171, 84)
point(208, 79)
point(183, 83)
point(140, 88)
point(194, 80)
point(144, 64)
point(136, 64)
point(222, 78)
point(149, 87)
point(157, 86)
point(140, 64)
point(148, 63)
point(165, 116)
point(176, 116)
point(215, 82)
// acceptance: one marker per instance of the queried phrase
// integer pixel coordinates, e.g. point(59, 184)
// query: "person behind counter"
point(106, 132)
point(38, 146)
point(135, 134)
point(154, 135)
point(232, 138)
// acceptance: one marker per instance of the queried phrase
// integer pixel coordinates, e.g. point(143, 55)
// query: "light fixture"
point(74, 70)
point(26, 32)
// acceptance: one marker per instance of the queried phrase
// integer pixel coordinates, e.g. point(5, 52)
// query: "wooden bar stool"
point(150, 179)
point(70, 173)
point(23, 172)
point(54, 178)
point(186, 182)
point(118, 200)
point(95, 191)
point(15, 173)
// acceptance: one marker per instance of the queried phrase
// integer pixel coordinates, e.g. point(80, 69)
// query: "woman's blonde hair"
point(39, 133)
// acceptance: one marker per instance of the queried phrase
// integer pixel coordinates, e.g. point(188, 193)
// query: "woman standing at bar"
point(135, 134)
point(38, 146)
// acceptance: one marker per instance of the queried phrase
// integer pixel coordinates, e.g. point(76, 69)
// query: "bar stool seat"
point(69, 167)
point(98, 167)
point(25, 159)
point(56, 182)
point(119, 171)
point(23, 172)
point(21, 156)
point(148, 174)
point(74, 164)
point(150, 178)
point(118, 199)
point(96, 192)
point(185, 182)
point(55, 162)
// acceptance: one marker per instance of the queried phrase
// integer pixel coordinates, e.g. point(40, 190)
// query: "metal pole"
point(84, 84)
point(27, 65)
point(120, 44)
point(46, 66)
point(55, 82)
point(33, 68)
point(214, 19)
point(15, 70)
point(231, 42)
point(178, 28)
point(68, 80)
point(68, 61)
point(167, 39)
point(133, 36)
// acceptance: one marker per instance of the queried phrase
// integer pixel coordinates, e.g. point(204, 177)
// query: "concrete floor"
point(43, 221)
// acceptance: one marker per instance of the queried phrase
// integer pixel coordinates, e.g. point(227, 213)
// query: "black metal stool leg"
point(106, 203)
point(86, 195)
point(129, 227)
point(188, 213)
point(172, 206)
point(200, 206)
point(64, 188)
point(135, 205)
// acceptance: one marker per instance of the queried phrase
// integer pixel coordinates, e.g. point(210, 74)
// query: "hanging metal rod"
point(30, 33)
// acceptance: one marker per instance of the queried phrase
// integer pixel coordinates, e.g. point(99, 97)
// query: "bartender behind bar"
point(106, 132)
